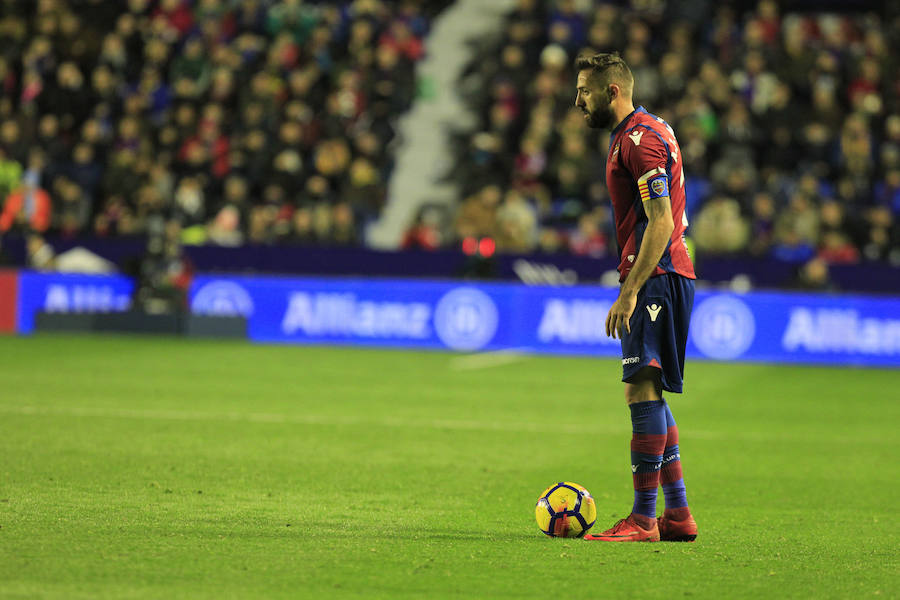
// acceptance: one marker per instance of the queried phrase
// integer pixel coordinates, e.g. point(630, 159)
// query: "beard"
point(602, 118)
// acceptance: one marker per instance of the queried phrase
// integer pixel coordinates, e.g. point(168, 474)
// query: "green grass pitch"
point(163, 468)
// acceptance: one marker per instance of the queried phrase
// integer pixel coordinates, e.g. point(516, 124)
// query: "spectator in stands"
point(428, 231)
point(550, 241)
point(85, 171)
point(128, 103)
point(882, 240)
point(762, 224)
point(302, 226)
point(177, 14)
point(12, 142)
point(39, 254)
point(49, 139)
point(224, 229)
point(720, 228)
point(814, 276)
point(189, 202)
point(29, 207)
point(66, 96)
point(322, 222)
point(364, 189)
point(343, 230)
point(198, 89)
point(477, 216)
point(516, 224)
point(756, 97)
point(836, 248)
point(588, 239)
point(73, 206)
point(887, 192)
point(10, 174)
point(797, 227)
point(115, 218)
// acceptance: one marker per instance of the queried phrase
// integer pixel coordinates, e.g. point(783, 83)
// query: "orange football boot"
point(671, 530)
point(626, 530)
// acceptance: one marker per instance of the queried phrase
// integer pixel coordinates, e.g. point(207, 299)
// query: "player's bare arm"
point(659, 229)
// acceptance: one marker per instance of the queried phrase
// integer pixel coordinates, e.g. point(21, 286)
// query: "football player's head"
point(604, 83)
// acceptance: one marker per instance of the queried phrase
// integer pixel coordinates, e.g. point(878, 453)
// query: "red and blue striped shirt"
point(644, 162)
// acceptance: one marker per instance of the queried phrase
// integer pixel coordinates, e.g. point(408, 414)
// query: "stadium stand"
point(239, 120)
point(789, 125)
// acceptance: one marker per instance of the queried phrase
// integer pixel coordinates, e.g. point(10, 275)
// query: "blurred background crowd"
point(268, 121)
point(789, 126)
point(232, 121)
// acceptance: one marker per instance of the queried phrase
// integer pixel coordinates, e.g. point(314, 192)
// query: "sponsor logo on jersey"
point(636, 137)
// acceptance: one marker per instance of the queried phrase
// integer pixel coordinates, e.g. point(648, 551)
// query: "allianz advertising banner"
point(69, 293)
point(471, 317)
point(783, 327)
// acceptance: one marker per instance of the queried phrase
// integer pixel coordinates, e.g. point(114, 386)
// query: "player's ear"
point(612, 90)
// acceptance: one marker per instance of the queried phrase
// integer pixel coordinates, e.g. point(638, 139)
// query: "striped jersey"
point(645, 162)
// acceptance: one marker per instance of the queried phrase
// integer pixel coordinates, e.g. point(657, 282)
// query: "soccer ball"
point(565, 509)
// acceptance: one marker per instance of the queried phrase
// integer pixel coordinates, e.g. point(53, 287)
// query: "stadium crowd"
point(235, 121)
point(789, 127)
point(232, 120)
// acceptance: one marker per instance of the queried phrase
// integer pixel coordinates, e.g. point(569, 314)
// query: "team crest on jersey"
point(658, 186)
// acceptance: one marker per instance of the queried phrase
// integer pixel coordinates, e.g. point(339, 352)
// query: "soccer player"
point(651, 314)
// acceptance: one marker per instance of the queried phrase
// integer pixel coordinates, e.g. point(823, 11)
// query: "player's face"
point(596, 103)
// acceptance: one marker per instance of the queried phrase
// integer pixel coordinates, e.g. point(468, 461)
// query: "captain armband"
point(653, 184)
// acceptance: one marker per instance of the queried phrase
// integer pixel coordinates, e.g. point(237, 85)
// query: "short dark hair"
point(605, 68)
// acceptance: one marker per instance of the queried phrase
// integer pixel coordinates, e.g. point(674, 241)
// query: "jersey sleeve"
point(645, 156)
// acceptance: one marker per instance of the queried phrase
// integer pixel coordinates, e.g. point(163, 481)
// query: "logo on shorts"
point(465, 319)
point(723, 327)
point(631, 360)
point(654, 309)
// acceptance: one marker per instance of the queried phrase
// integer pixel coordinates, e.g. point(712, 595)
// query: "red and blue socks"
point(648, 443)
point(670, 475)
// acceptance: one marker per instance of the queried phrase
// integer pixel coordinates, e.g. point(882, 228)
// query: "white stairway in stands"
point(423, 148)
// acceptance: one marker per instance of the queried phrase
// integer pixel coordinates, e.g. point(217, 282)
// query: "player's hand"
point(618, 321)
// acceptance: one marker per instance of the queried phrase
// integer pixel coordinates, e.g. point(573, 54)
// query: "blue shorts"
point(659, 329)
